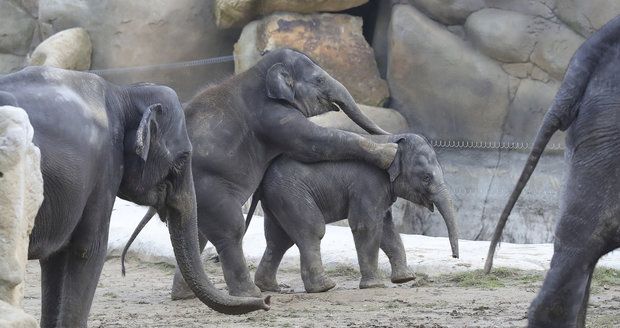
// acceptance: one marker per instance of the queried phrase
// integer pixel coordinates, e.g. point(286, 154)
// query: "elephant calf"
point(298, 199)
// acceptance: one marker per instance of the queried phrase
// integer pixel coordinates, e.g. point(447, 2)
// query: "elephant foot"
point(320, 285)
point(371, 283)
point(247, 291)
point(180, 289)
point(402, 277)
point(268, 285)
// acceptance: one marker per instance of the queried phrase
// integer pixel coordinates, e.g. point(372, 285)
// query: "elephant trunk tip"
point(267, 303)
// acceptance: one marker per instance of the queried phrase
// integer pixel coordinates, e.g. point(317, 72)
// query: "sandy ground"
point(141, 299)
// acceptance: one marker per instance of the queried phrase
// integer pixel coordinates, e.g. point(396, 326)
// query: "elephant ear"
point(395, 169)
point(280, 83)
point(147, 128)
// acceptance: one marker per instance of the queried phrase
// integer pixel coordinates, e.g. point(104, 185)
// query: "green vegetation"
point(342, 270)
point(606, 276)
point(499, 277)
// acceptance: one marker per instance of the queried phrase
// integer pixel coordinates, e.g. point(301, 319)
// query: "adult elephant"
point(97, 141)
point(240, 125)
point(587, 106)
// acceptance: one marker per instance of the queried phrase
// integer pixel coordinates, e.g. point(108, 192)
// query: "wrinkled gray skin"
point(240, 125)
point(587, 106)
point(298, 199)
point(97, 141)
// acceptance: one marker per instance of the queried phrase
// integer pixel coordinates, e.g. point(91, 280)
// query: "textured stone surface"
point(554, 49)
point(334, 41)
point(231, 13)
point(139, 33)
point(587, 16)
point(16, 29)
point(443, 87)
point(388, 119)
point(10, 63)
point(507, 36)
point(68, 49)
point(14, 317)
point(21, 194)
point(448, 12)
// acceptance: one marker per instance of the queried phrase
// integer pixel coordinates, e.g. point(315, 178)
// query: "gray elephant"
point(240, 125)
point(97, 141)
point(298, 199)
point(587, 106)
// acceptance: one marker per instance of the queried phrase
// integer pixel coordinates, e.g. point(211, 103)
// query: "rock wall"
point(21, 194)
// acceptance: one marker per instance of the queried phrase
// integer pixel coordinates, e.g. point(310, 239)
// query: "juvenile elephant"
point(587, 106)
point(240, 125)
point(97, 141)
point(298, 199)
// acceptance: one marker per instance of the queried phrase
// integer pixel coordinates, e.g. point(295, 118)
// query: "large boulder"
point(388, 119)
point(334, 41)
point(231, 13)
point(505, 35)
point(10, 63)
point(68, 49)
point(587, 16)
point(140, 33)
point(21, 194)
point(554, 49)
point(450, 12)
point(16, 30)
point(444, 88)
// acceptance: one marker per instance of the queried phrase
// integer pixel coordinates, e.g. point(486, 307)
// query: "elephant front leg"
point(223, 224)
point(367, 240)
point(392, 245)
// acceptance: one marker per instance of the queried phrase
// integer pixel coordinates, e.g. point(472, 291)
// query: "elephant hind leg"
point(278, 242)
point(52, 273)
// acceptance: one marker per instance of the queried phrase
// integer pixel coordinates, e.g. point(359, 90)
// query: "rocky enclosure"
point(483, 71)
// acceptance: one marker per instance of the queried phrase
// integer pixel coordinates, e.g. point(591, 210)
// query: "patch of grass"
point(165, 266)
point(499, 277)
point(606, 276)
point(342, 270)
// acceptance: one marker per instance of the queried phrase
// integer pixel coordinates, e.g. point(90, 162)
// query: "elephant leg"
point(392, 245)
point(85, 256)
point(278, 242)
point(52, 272)
point(180, 289)
point(222, 222)
point(367, 239)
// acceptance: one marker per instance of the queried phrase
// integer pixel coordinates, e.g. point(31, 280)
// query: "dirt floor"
point(141, 299)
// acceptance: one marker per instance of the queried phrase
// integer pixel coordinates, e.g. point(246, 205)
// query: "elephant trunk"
point(345, 101)
point(444, 203)
point(183, 228)
point(184, 237)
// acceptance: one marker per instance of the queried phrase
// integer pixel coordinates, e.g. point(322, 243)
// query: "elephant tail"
point(255, 198)
point(147, 217)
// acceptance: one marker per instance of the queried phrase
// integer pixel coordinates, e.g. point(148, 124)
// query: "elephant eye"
point(320, 80)
point(427, 178)
point(179, 162)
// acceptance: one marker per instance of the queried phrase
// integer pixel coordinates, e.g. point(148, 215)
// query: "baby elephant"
point(299, 199)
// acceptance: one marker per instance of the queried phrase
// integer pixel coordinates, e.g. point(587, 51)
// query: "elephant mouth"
point(335, 106)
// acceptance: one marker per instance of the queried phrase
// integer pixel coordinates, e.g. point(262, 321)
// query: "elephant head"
point(417, 176)
point(293, 78)
point(157, 173)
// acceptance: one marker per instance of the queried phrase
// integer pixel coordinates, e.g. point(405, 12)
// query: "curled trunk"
point(345, 101)
point(184, 237)
point(444, 203)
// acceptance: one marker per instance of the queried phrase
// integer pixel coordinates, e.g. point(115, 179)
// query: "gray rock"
point(138, 33)
point(444, 88)
point(538, 8)
point(507, 36)
point(68, 49)
point(520, 70)
point(554, 49)
point(389, 119)
point(10, 63)
point(16, 30)
point(452, 12)
point(527, 110)
point(236, 13)
point(334, 41)
point(21, 194)
point(587, 16)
